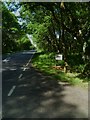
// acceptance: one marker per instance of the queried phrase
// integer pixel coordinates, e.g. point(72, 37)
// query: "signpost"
point(58, 57)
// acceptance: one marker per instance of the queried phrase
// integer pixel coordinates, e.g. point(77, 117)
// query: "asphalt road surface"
point(28, 93)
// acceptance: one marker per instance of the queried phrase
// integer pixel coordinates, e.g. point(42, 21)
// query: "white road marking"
point(11, 91)
point(27, 64)
point(30, 60)
point(5, 60)
point(20, 76)
point(24, 69)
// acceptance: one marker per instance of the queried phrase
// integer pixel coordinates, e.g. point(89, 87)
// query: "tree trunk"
point(63, 38)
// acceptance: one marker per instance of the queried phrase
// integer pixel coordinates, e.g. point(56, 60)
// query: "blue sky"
point(16, 11)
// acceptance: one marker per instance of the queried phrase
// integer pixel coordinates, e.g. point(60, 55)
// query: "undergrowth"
point(45, 63)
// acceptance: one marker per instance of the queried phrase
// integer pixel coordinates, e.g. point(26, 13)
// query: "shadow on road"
point(39, 96)
point(36, 95)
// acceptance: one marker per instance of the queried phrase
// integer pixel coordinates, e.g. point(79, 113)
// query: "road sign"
point(58, 57)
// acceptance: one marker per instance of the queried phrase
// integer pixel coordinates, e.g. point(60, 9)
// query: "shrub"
point(78, 68)
point(61, 63)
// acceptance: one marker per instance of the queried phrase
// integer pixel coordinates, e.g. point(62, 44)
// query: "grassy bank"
point(46, 63)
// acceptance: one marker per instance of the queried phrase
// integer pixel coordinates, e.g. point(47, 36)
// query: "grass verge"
point(45, 63)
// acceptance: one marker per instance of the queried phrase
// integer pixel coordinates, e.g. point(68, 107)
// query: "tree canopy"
point(58, 26)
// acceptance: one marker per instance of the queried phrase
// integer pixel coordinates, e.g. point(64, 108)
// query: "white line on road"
point(20, 76)
point(30, 60)
point(11, 91)
point(24, 69)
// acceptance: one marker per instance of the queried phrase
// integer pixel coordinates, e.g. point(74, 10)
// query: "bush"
point(74, 60)
point(60, 63)
point(79, 68)
point(86, 70)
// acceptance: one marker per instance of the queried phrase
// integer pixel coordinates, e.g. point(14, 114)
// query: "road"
point(29, 93)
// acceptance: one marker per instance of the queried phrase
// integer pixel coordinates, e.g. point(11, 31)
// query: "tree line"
point(13, 36)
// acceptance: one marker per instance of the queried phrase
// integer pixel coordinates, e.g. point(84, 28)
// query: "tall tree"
point(71, 23)
point(10, 30)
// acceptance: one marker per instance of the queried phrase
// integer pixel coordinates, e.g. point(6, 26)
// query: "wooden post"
point(65, 67)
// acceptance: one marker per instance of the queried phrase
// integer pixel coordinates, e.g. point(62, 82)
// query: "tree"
point(10, 30)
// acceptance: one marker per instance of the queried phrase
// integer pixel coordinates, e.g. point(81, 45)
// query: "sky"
point(16, 12)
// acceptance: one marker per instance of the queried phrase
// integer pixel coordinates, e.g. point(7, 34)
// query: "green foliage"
point(78, 69)
point(45, 60)
point(24, 43)
point(14, 38)
point(45, 63)
point(60, 63)
point(74, 60)
point(43, 20)
point(86, 71)
point(10, 30)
